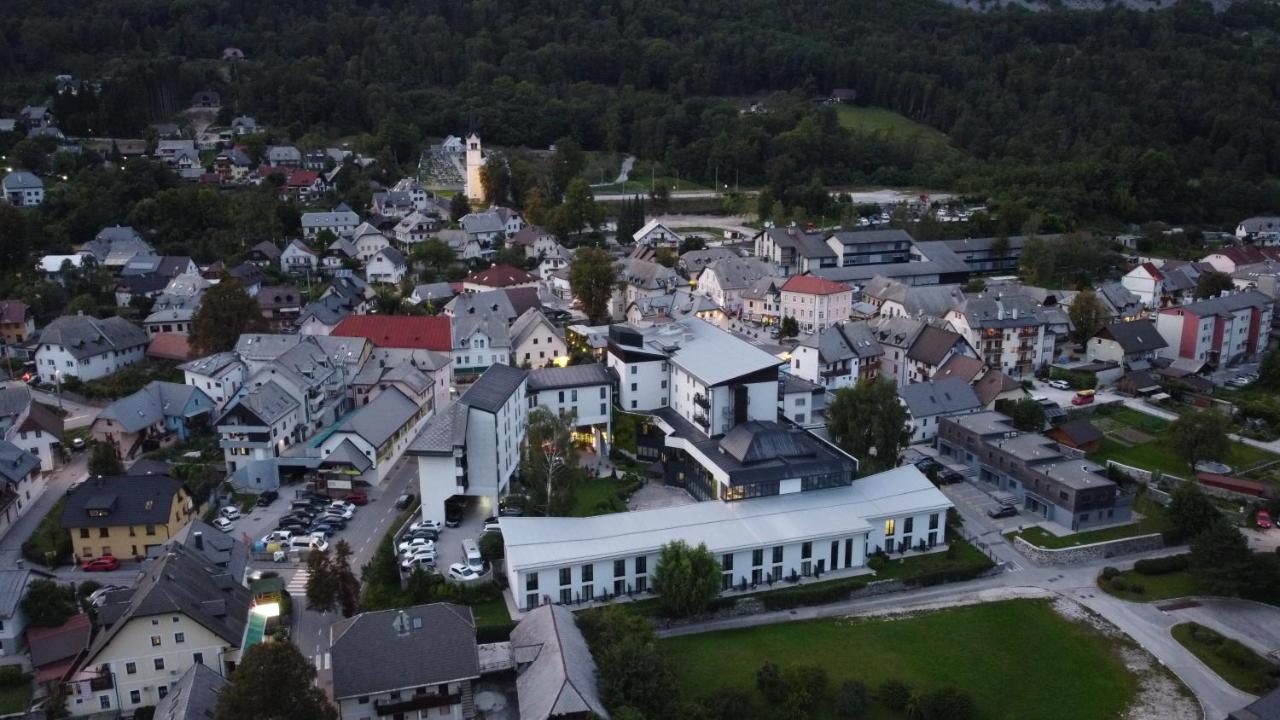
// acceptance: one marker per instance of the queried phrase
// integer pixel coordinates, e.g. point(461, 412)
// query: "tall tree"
point(226, 311)
point(1200, 435)
point(49, 603)
point(459, 205)
point(1220, 559)
point(592, 278)
point(1191, 512)
point(347, 591)
point(1038, 261)
point(687, 579)
point(1213, 284)
point(1087, 314)
point(273, 682)
point(322, 582)
point(550, 462)
point(578, 211)
point(1027, 414)
point(868, 422)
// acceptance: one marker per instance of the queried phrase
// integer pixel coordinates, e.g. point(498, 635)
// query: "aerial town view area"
point(640, 360)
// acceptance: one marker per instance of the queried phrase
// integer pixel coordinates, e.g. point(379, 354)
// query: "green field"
point(591, 493)
point(879, 121)
point(1017, 659)
point(1154, 520)
point(1157, 453)
point(1155, 587)
point(1231, 660)
point(14, 699)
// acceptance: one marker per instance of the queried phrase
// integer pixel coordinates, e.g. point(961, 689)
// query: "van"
point(1083, 397)
point(471, 552)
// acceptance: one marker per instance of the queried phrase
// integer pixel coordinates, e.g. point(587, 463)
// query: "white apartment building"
point(220, 376)
point(341, 222)
point(88, 348)
point(583, 391)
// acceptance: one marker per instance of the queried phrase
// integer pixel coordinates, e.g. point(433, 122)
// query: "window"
point(155, 641)
point(573, 396)
point(135, 697)
point(561, 394)
point(757, 557)
point(642, 565)
point(806, 568)
point(889, 527)
point(588, 592)
point(633, 372)
point(933, 521)
point(531, 600)
point(619, 587)
point(104, 701)
point(603, 393)
point(642, 584)
point(726, 561)
point(566, 596)
point(806, 551)
point(906, 525)
point(933, 539)
point(588, 573)
point(777, 553)
point(179, 638)
point(604, 408)
point(531, 582)
point(151, 529)
point(162, 691)
point(633, 404)
point(566, 576)
point(159, 663)
point(130, 668)
point(619, 568)
point(84, 533)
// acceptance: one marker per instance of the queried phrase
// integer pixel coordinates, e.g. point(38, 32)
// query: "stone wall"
point(1088, 553)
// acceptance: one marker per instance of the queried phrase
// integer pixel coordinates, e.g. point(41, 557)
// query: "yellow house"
point(124, 516)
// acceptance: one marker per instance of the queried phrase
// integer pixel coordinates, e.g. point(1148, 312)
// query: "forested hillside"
point(1112, 115)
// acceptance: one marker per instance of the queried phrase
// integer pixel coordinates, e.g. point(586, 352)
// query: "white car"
point(230, 512)
point(224, 524)
point(462, 573)
point(492, 525)
point(346, 513)
point(1060, 384)
point(342, 506)
point(307, 542)
point(416, 544)
point(427, 525)
point(277, 536)
point(99, 596)
point(423, 558)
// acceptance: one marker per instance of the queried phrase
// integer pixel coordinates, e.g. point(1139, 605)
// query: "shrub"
point(1118, 584)
point(1161, 565)
point(728, 703)
point(850, 701)
point(806, 595)
point(12, 676)
point(895, 694)
point(878, 562)
point(769, 683)
point(946, 703)
point(1110, 572)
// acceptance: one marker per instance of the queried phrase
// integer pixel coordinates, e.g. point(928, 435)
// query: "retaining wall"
point(1088, 553)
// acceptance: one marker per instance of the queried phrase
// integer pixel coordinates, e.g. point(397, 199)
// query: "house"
point(17, 324)
point(388, 265)
point(479, 341)
point(55, 651)
point(436, 295)
point(498, 277)
point(244, 125)
point(420, 660)
point(1079, 434)
point(535, 341)
point(56, 267)
point(206, 99)
point(280, 305)
point(232, 164)
point(870, 247)
point(656, 234)
point(793, 251)
point(1217, 330)
point(583, 392)
point(88, 348)
point(36, 116)
point(1123, 305)
point(762, 302)
point(22, 189)
point(724, 281)
point(170, 346)
point(218, 376)
point(31, 426)
point(837, 356)
point(124, 516)
point(693, 262)
point(815, 303)
point(250, 276)
point(13, 622)
point(171, 314)
point(259, 423)
point(897, 299)
point(264, 254)
point(535, 241)
point(419, 196)
point(393, 205)
point(1008, 332)
point(1263, 230)
point(1232, 257)
point(21, 478)
point(472, 447)
point(642, 279)
point(368, 240)
point(914, 350)
point(194, 696)
point(339, 253)
point(369, 441)
point(1147, 282)
point(656, 309)
point(789, 508)
point(298, 257)
point(114, 247)
point(415, 228)
point(1058, 486)
point(159, 415)
point(555, 673)
point(342, 222)
point(284, 156)
point(929, 402)
point(321, 316)
point(1126, 343)
point(182, 612)
point(484, 227)
point(398, 331)
point(992, 254)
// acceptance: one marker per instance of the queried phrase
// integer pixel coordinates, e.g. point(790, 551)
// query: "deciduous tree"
point(592, 278)
point(48, 603)
point(1200, 435)
point(347, 590)
point(1212, 284)
point(273, 682)
point(1191, 512)
point(105, 459)
point(550, 462)
point(226, 311)
point(1087, 314)
point(1220, 559)
point(868, 422)
point(687, 579)
point(322, 582)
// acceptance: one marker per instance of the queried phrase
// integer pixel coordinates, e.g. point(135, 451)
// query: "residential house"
point(793, 251)
point(171, 314)
point(870, 247)
point(724, 281)
point(583, 392)
point(897, 299)
point(392, 205)
point(403, 332)
point(994, 386)
point(21, 478)
point(930, 401)
point(415, 228)
point(88, 348)
point(815, 303)
point(388, 265)
point(264, 254)
point(555, 673)
point(1009, 333)
point(1079, 434)
point(280, 305)
point(641, 279)
point(420, 660)
point(232, 164)
point(472, 447)
point(762, 302)
point(1264, 230)
point(1123, 305)
point(13, 621)
point(342, 222)
point(368, 240)
point(1232, 257)
point(31, 426)
point(114, 247)
point(258, 424)
point(22, 189)
point(194, 696)
point(1147, 282)
point(656, 234)
point(251, 277)
point(485, 228)
point(1217, 330)
point(535, 241)
point(320, 317)
point(535, 341)
point(993, 254)
point(339, 253)
point(694, 262)
point(55, 651)
point(219, 376)
point(837, 356)
point(17, 324)
point(436, 295)
point(183, 612)
point(1057, 485)
point(418, 195)
point(1132, 344)
point(298, 257)
point(124, 516)
point(658, 309)
point(479, 341)
point(55, 268)
point(498, 277)
point(159, 415)
point(368, 442)
point(285, 156)
point(802, 402)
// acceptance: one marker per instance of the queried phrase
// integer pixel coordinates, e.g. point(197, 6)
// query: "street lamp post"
point(57, 384)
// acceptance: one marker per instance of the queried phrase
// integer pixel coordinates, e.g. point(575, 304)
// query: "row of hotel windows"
point(587, 591)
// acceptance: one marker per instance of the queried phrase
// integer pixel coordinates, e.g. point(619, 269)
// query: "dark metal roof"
point(554, 378)
point(126, 500)
point(394, 649)
point(494, 387)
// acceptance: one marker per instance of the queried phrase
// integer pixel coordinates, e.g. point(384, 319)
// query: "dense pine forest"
point(1091, 116)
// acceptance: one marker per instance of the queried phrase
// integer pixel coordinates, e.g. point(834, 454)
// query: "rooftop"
point(813, 285)
point(385, 650)
point(555, 378)
point(398, 331)
point(120, 500)
point(492, 389)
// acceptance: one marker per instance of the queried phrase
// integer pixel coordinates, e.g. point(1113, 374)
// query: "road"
point(78, 415)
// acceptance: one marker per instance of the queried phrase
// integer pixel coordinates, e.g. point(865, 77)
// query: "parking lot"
point(449, 544)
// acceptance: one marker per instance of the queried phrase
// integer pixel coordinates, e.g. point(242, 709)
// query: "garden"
point(1154, 520)
point(1135, 438)
point(1232, 660)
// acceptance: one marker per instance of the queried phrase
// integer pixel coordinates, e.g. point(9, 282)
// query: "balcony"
point(834, 373)
point(701, 420)
point(417, 702)
point(701, 401)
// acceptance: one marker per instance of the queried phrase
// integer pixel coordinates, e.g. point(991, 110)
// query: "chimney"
point(199, 537)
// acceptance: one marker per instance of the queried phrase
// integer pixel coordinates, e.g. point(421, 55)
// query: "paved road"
point(78, 415)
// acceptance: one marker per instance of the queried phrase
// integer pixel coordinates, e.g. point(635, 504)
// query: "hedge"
point(1161, 565)
point(815, 594)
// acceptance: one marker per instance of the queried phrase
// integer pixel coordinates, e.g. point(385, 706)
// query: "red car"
point(106, 562)
point(357, 498)
point(1264, 519)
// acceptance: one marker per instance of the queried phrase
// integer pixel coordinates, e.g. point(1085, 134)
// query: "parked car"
point(106, 562)
point(277, 536)
point(1003, 511)
point(510, 511)
point(357, 498)
point(322, 529)
point(426, 524)
point(453, 511)
point(1240, 382)
point(267, 497)
point(337, 521)
point(230, 512)
point(1084, 397)
point(462, 573)
point(77, 443)
point(292, 526)
point(99, 596)
point(1059, 384)
point(404, 501)
point(949, 477)
point(413, 544)
point(346, 512)
point(1263, 520)
point(492, 525)
point(224, 524)
point(308, 542)
point(421, 557)
point(924, 465)
point(426, 533)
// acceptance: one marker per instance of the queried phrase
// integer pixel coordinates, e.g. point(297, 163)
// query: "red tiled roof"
point(303, 178)
point(398, 331)
point(1153, 271)
point(170, 346)
point(811, 285)
point(55, 649)
point(12, 312)
point(500, 276)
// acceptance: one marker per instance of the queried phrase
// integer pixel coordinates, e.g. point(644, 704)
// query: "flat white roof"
point(533, 542)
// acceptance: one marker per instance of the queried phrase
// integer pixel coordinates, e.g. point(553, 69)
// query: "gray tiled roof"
point(554, 378)
point(329, 219)
point(194, 697)
point(155, 402)
point(442, 433)
point(557, 675)
point(348, 454)
point(485, 222)
point(211, 364)
point(381, 418)
point(268, 401)
point(939, 397)
point(219, 548)
point(844, 341)
point(1135, 337)
point(128, 500)
point(387, 650)
point(83, 336)
point(13, 585)
point(1230, 303)
point(494, 387)
point(740, 273)
point(526, 324)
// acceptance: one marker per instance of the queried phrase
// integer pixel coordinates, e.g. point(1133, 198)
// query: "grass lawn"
point(1155, 587)
point(14, 699)
point(914, 565)
point(874, 120)
point(977, 648)
point(591, 493)
point(1231, 660)
point(1154, 520)
point(1157, 454)
point(49, 538)
point(493, 612)
point(245, 501)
